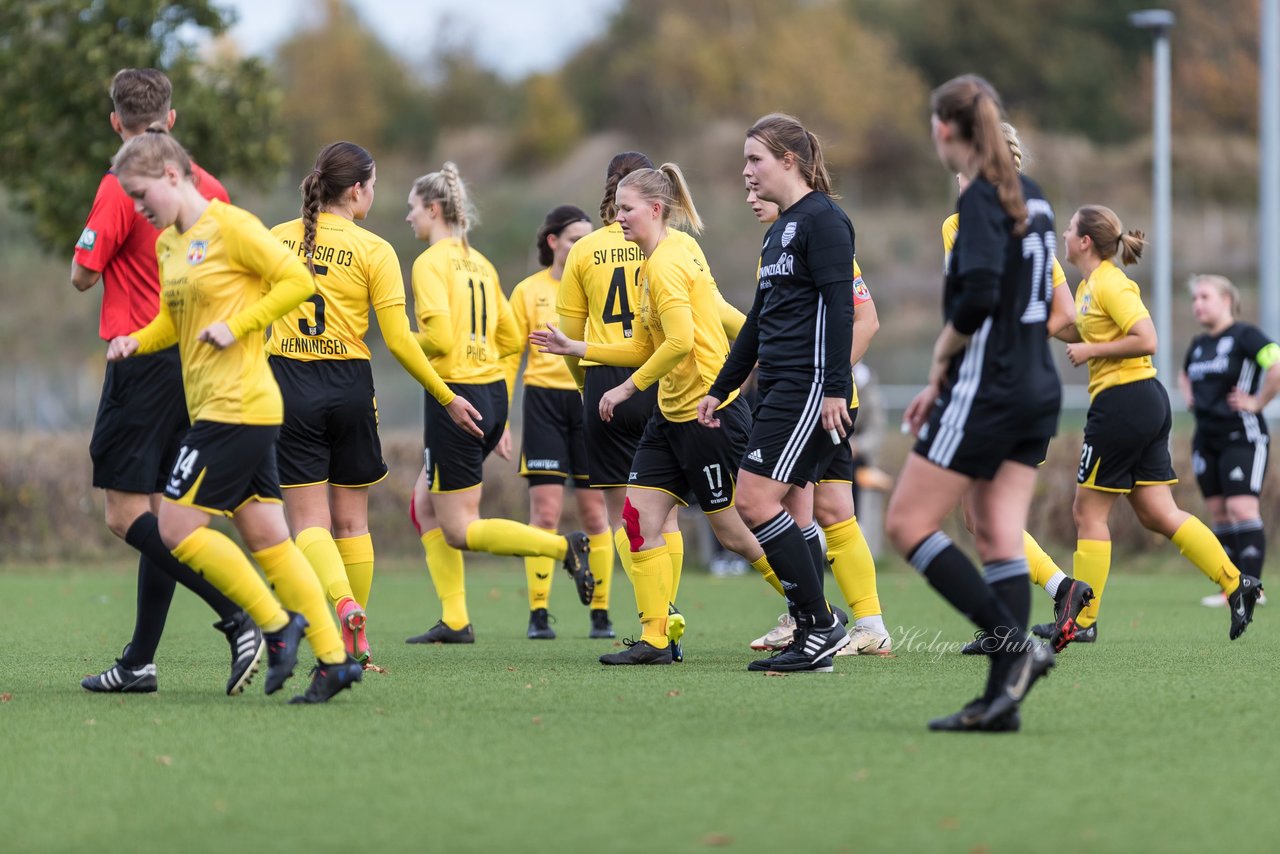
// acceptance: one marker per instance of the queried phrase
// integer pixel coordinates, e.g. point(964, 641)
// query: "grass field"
point(1161, 737)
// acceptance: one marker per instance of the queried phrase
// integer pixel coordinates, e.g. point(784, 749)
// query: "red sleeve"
point(110, 221)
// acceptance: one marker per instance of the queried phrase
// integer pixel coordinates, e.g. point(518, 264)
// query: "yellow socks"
point(1041, 565)
point(357, 555)
point(444, 562)
point(601, 562)
point(761, 565)
point(675, 547)
point(853, 567)
point(537, 573)
point(1091, 564)
point(296, 584)
point(1202, 548)
point(217, 558)
point(623, 546)
point(505, 537)
point(323, 555)
point(651, 574)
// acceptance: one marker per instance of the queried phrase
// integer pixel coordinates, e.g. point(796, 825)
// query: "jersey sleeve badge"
point(88, 237)
point(860, 290)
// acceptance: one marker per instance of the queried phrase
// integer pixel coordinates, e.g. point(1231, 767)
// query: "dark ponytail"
point(339, 167)
point(972, 105)
point(620, 167)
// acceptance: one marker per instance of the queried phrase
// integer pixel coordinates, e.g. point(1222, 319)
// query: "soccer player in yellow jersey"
point(553, 447)
point(1071, 597)
point(1126, 435)
point(679, 344)
point(329, 451)
point(597, 303)
point(465, 325)
point(832, 499)
point(223, 279)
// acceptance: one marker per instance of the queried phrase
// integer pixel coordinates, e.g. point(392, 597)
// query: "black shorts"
point(612, 446)
point(330, 430)
point(680, 457)
point(1228, 464)
point(973, 452)
point(141, 419)
point(221, 467)
point(553, 446)
point(840, 469)
point(453, 458)
point(1126, 438)
point(787, 442)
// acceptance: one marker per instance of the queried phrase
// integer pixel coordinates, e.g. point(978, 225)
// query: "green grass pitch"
point(1160, 737)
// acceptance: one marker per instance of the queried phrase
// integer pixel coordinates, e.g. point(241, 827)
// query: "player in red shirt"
point(142, 414)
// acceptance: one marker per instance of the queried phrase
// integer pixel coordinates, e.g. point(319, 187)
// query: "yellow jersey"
point(354, 269)
point(227, 268)
point(676, 287)
point(456, 282)
point(1108, 304)
point(951, 227)
point(533, 304)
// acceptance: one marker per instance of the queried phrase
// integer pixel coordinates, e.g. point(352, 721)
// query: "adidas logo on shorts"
point(1235, 474)
point(755, 456)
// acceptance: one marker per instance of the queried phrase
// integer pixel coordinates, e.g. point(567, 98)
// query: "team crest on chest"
point(1084, 302)
point(1225, 345)
point(196, 251)
point(788, 233)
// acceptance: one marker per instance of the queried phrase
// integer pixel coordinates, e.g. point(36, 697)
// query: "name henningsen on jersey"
point(1219, 364)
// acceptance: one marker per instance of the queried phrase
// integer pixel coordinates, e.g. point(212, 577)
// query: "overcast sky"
point(513, 36)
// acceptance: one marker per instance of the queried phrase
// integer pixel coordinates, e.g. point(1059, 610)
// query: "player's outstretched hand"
point(552, 340)
point(707, 411)
point(218, 334)
point(121, 347)
point(465, 416)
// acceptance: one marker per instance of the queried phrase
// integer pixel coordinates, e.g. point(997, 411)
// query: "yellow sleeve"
point(1059, 277)
point(634, 353)
point(431, 306)
point(677, 325)
point(576, 329)
point(394, 324)
point(1123, 303)
point(158, 334)
point(950, 228)
point(386, 283)
point(519, 323)
point(435, 335)
point(730, 318)
point(571, 299)
point(251, 245)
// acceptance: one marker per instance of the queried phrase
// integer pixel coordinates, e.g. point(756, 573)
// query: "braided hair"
point(339, 167)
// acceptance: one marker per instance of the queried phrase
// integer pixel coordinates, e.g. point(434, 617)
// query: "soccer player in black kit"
point(800, 330)
point(991, 403)
point(1231, 372)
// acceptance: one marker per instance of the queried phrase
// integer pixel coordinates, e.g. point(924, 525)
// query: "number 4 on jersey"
point(617, 306)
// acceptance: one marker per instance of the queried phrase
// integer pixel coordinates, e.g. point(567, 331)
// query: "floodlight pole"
point(1269, 169)
point(1159, 22)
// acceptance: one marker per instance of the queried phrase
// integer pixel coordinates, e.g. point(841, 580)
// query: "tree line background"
point(678, 80)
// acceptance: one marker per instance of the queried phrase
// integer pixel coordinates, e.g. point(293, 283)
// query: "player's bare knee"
point(455, 537)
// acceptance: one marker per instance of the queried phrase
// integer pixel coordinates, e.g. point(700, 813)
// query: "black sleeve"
point(979, 294)
point(829, 257)
point(984, 232)
point(742, 355)
point(1253, 339)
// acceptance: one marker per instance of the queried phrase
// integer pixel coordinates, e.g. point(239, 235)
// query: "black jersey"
point(800, 327)
point(1004, 382)
point(1215, 364)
